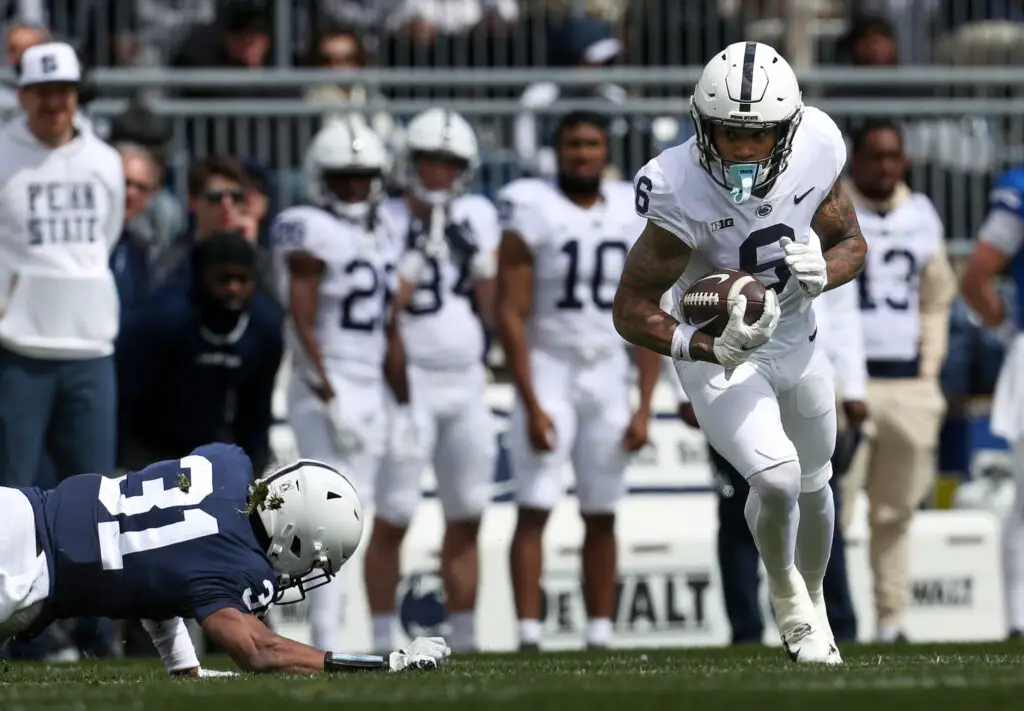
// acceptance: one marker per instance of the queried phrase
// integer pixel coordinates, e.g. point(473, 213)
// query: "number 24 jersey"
point(578, 255)
point(677, 194)
point(146, 546)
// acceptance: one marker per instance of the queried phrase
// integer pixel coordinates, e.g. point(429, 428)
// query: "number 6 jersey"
point(676, 193)
point(168, 541)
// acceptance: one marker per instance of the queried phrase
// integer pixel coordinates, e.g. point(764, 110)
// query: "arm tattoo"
point(842, 243)
point(652, 267)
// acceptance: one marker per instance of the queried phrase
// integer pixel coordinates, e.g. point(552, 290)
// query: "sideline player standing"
point(562, 250)
point(745, 192)
point(62, 213)
point(337, 261)
point(999, 245)
point(193, 538)
point(905, 294)
point(451, 239)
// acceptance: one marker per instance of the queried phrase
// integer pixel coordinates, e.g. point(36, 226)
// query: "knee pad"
point(778, 486)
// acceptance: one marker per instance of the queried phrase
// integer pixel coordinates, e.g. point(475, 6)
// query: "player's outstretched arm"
point(255, 648)
point(652, 266)
point(842, 243)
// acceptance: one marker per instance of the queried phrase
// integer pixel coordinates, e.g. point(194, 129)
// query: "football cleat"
point(805, 644)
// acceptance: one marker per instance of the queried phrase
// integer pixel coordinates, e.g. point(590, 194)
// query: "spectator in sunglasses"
point(218, 202)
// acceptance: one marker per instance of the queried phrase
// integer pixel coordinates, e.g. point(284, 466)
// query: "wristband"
point(353, 662)
point(681, 341)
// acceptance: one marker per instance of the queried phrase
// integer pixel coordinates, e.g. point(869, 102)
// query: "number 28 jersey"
point(676, 193)
point(168, 541)
point(356, 287)
point(578, 256)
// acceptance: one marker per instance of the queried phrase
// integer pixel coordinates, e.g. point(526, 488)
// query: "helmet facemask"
point(438, 196)
point(742, 178)
point(339, 197)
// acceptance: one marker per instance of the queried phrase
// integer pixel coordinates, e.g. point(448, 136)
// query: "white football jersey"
point(356, 288)
point(676, 193)
point(439, 328)
point(578, 257)
point(900, 245)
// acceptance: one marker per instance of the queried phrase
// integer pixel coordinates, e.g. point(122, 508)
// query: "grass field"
point(874, 678)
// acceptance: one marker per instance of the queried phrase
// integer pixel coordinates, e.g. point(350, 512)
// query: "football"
point(705, 304)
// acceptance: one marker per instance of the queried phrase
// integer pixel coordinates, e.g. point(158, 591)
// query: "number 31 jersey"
point(578, 255)
point(677, 194)
point(168, 541)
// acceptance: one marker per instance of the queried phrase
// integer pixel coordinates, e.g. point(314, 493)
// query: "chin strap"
point(743, 176)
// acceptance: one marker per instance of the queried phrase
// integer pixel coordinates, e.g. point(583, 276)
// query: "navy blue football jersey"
point(168, 541)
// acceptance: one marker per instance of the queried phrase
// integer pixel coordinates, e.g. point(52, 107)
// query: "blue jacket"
point(179, 389)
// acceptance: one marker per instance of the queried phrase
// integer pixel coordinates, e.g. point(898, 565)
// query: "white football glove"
point(421, 653)
point(345, 435)
point(794, 298)
point(405, 435)
point(807, 264)
point(215, 673)
point(739, 341)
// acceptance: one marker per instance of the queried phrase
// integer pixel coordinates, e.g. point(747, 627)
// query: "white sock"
point(529, 631)
point(814, 537)
point(325, 606)
point(463, 626)
point(599, 632)
point(888, 634)
point(773, 516)
point(384, 632)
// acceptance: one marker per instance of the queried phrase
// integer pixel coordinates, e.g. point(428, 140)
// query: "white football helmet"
point(747, 85)
point(344, 146)
point(317, 527)
point(443, 132)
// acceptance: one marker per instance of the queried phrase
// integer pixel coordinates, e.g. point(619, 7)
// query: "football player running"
point(756, 189)
point(563, 247)
point(451, 239)
point(336, 262)
point(195, 539)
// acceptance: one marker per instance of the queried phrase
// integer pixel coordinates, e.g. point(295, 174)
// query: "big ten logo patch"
point(64, 212)
point(650, 601)
point(421, 609)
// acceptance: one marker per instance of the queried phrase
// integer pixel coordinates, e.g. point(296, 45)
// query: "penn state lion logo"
point(421, 606)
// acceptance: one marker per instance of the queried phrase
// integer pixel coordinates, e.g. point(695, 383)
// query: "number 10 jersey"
point(676, 193)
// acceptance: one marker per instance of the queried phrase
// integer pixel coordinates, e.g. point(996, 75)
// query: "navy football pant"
point(738, 563)
point(67, 409)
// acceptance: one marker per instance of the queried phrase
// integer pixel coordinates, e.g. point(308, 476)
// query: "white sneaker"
point(803, 637)
point(818, 598)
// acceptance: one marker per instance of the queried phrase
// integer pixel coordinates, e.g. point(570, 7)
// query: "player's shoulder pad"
point(1008, 192)
point(231, 465)
point(825, 134)
point(300, 229)
point(518, 201)
point(657, 189)
point(473, 204)
point(924, 206)
point(619, 190)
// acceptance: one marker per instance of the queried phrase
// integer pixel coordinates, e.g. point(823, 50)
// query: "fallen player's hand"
point(421, 653)
point(739, 341)
point(807, 264)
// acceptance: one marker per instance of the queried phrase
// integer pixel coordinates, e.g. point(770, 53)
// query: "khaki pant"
point(896, 463)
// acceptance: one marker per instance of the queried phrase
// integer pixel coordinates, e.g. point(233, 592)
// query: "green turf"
point(875, 678)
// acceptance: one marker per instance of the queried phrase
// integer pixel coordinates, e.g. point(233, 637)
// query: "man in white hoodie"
point(62, 195)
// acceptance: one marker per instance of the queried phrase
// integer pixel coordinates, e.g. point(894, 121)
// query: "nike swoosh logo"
point(702, 324)
point(719, 277)
point(797, 199)
point(813, 336)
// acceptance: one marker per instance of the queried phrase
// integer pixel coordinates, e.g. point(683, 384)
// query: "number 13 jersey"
point(676, 193)
point(578, 255)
